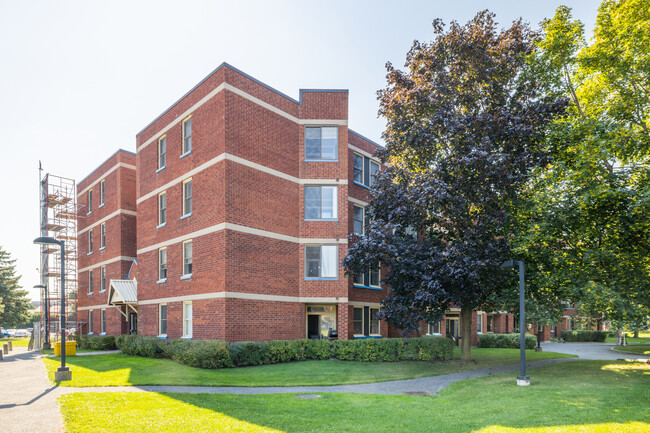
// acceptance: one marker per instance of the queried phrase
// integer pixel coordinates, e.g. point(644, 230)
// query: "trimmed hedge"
point(573, 336)
point(96, 342)
point(505, 341)
point(219, 354)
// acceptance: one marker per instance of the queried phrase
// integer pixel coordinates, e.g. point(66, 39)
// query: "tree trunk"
point(636, 334)
point(466, 333)
point(619, 336)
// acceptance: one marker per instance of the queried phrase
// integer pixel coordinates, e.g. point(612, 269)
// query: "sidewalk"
point(27, 400)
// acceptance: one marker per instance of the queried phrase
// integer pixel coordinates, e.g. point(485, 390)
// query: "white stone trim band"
point(111, 170)
point(240, 295)
point(106, 218)
point(106, 262)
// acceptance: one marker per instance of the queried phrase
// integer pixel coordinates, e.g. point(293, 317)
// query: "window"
point(374, 321)
point(321, 143)
point(162, 323)
point(102, 237)
point(90, 322)
point(162, 264)
point(364, 170)
point(187, 319)
point(321, 202)
point(187, 258)
point(479, 323)
point(433, 328)
point(360, 218)
point(321, 261)
point(103, 321)
point(102, 193)
point(187, 197)
point(162, 208)
point(90, 241)
point(90, 201)
point(369, 278)
point(162, 152)
point(103, 278)
point(490, 324)
point(357, 321)
point(187, 136)
point(90, 282)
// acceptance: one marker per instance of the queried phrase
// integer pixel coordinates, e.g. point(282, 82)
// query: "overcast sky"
point(79, 79)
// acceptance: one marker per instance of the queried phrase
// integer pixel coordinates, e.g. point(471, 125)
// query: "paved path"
point(27, 399)
point(590, 350)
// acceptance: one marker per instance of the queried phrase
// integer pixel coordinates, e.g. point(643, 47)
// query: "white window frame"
point(90, 241)
point(367, 278)
point(102, 277)
point(363, 167)
point(371, 161)
point(191, 263)
point(162, 211)
point(186, 138)
point(103, 321)
point(479, 323)
point(362, 321)
point(336, 151)
point(185, 198)
point(102, 236)
point(370, 333)
point(187, 321)
point(430, 328)
point(328, 247)
point(102, 193)
point(161, 278)
point(89, 198)
point(335, 202)
point(162, 152)
point(363, 220)
point(90, 282)
point(160, 308)
point(90, 322)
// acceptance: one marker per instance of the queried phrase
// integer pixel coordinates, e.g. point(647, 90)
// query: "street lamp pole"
point(63, 372)
point(522, 379)
point(46, 313)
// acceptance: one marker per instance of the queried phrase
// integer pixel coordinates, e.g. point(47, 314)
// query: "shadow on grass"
point(600, 397)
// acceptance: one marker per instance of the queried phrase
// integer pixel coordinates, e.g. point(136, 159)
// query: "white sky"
point(79, 79)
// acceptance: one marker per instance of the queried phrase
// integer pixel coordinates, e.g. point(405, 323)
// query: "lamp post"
point(63, 372)
point(46, 316)
point(522, 379)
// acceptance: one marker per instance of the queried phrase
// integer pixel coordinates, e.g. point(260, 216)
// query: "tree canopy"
point(14, 305)
point(465, 126)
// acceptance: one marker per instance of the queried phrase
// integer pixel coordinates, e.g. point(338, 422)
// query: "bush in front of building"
point(584, 336)
point(247, 353)
point(317, 349)
point(505, 341)
point(211, 354)
point(137, 345)
point(96, 342)
point(394, 349)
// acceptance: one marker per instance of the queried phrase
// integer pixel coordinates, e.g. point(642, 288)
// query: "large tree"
point(464, 129)
point(14, 305)
point(586, 227)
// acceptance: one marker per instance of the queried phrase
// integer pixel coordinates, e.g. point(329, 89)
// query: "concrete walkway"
point(27, 399)
point(591, 351)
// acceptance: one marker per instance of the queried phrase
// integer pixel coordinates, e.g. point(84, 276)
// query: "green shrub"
point(394, 349)
point(247, 353)
point(200, 353)
point(150, 347)
point(505, 341)
point(582, 336)
point(318, 349)
point(278, 351)
point(96, 342)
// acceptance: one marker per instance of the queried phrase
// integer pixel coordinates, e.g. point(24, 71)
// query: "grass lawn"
point(120, 369)
point(593, 396)
point(640, 349)
point(644, 337)
point(15, 342)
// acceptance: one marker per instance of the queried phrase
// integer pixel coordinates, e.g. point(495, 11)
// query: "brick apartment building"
point(237, 205)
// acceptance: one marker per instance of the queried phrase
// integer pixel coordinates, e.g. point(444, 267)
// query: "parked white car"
point(22, 333)
point(11, 332)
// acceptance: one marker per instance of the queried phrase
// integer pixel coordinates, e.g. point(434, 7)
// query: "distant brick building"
point(237, 205)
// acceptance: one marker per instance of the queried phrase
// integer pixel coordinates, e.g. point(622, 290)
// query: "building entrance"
point(321, 319)
point(452, 327)
point(133, 323)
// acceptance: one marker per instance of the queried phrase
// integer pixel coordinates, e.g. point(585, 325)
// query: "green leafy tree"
point(585, 228)
point(14, 305)
point(464, 128)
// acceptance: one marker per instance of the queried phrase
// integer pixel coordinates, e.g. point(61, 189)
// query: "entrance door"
point(451, 327)
point(133, 323)
point(313, 326)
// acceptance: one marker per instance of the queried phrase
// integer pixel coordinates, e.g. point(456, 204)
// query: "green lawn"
point(582, 396)
point(15, 342)
point(644, 337)
point(120, 369)
point(640, 349)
